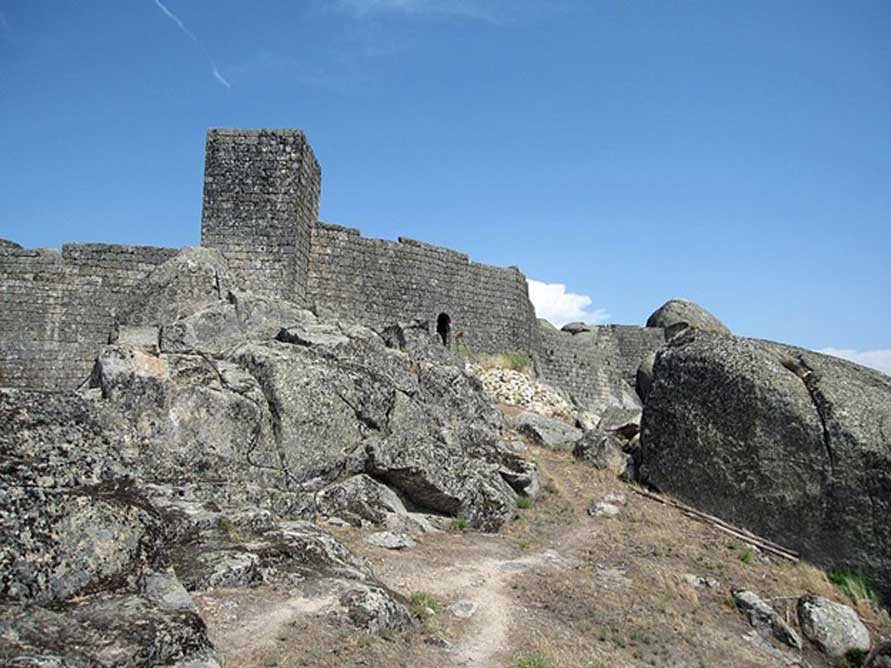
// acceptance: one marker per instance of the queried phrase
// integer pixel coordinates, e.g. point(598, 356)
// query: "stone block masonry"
point(260, 210)
point(30, 312)
point(379, 282)
point(261, 198)
point(58, 308)
point(597, 366)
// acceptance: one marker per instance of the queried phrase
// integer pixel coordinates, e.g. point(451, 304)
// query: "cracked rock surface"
point(215, 429)
point(789, 443)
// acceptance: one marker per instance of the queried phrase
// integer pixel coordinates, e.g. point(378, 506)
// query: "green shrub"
point(857, 587)
point(532, 661)
point(459, 524)
point(423, 605)
point(855, 658)
point(746, 556)
point(524, 502)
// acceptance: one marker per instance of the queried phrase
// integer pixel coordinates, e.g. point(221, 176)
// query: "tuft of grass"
point(746, 556)
point(857, 587)
point(524, 502)
point(513, 360)
point(231, 530)
point(459, 524)
point(551, 487)
point(532, 661)
point(423, 605)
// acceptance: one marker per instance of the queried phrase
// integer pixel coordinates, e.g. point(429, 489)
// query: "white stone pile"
point(519, 389)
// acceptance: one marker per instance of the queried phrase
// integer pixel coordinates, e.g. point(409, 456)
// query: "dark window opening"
point(444, 328)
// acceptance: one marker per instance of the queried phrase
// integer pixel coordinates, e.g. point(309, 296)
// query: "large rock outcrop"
point(215, 428)
point(675, 315)
point(789, 443)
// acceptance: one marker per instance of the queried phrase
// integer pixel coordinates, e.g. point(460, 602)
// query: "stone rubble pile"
point(516, 388)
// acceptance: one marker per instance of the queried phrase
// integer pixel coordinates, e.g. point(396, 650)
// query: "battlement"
point(260, 210)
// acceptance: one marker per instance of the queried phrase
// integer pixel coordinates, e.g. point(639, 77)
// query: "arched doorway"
point(444, 328)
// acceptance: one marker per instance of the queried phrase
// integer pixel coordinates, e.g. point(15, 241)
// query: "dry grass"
point(618, 600)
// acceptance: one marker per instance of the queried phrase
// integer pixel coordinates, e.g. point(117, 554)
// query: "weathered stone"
point(764, 617)
point(677, 314)
point(879, 656)
point(463, 609)
point(69, 516)
point(548, 432)
point(603, 509)
point(145, 337)
point(601, 450)
point(375, 609)
point(575, 327)
point(167, 592)
point(701, 582)
point(834, 628)
point(616, 498)
point(194, 279)
point(644, 378)
point(117, 631)
point(523, 477)
point(790, 444)
point(624, 422)
point(359, 498)
point(390, 540)
point(212, 330)
point(517, 388)
point(439, 477)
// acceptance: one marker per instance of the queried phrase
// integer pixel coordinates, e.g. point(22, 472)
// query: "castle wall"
point(379, 282)
point(98, 278)
point(30, 309)
point(261, 197)
point(57, 309)
point(598, 366)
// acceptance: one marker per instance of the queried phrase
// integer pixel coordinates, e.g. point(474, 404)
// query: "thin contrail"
point(219, 77)
point(182, 26)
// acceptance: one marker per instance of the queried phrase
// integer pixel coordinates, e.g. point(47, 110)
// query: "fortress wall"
point(57, 309)
point(592, 366)
point(98, 278)
point(30, 306)
point(379, 282)
point(261, 197)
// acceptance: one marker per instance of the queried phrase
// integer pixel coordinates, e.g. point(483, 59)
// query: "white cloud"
point(875, 359)
point(554, 304)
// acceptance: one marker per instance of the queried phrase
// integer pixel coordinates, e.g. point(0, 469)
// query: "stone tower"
point(261, 198)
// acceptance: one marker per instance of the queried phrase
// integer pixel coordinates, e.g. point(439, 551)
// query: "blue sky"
point(734, 153)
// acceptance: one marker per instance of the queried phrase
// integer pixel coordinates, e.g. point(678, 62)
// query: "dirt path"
point(558, 588)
